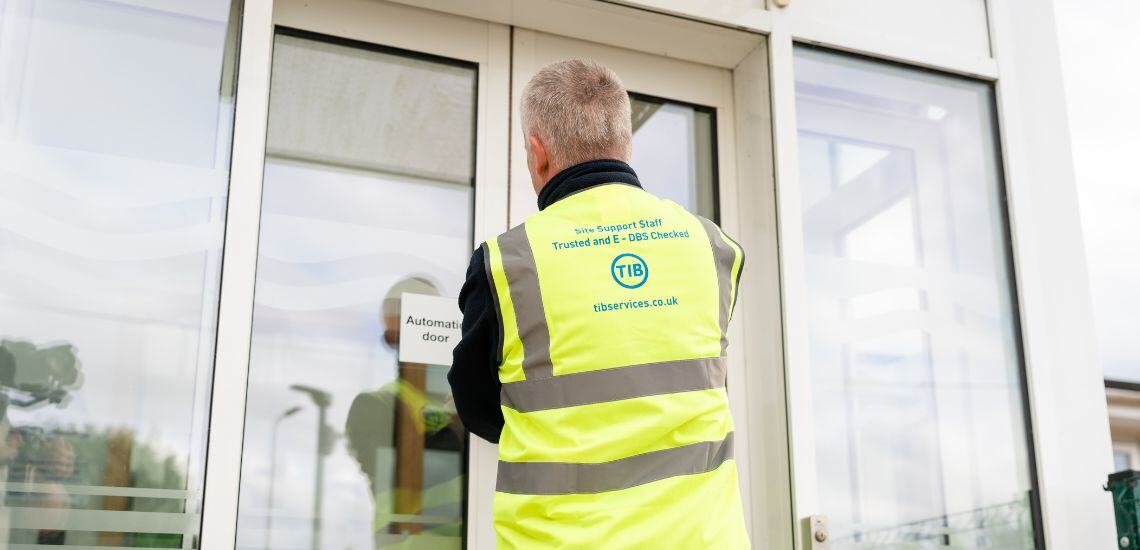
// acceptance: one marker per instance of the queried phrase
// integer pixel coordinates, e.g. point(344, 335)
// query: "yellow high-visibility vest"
point(613, 309)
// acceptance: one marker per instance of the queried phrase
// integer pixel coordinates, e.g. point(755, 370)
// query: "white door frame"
point(239, 266)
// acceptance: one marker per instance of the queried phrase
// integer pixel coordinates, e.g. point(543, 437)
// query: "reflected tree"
point(30, 375)
point(41, 463)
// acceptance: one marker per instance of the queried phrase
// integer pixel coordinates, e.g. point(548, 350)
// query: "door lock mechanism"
point(817, 533)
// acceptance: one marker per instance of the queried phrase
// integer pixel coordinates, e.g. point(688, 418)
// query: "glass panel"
point(368, 193)
point(919, 420)
point(674, 152)
point(115, 131)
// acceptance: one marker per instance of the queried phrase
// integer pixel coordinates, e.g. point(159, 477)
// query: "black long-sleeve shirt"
point(474, 374)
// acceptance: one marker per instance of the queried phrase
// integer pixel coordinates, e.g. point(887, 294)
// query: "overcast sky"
point(1100, 53)
point(1100, 47)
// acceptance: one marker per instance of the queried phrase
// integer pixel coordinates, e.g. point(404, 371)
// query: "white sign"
point(429, 328)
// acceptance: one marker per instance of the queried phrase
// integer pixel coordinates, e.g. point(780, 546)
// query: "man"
point(593, 346)
point(388, 432)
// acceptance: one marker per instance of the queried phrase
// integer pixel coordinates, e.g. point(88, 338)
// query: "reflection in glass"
point(368, 194)
point(115, 125)
point(674, 152)
point(919, 421)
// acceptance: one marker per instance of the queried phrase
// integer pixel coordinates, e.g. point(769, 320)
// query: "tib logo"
point(629, 270)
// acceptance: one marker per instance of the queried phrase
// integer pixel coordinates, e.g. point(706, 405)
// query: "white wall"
point(946, 34)
point(932, 28)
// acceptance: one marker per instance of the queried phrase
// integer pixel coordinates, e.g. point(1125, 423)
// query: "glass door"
point(372, 195)
point(115, 140)
point(386, 161)
point(684, 149)
point(909, 405)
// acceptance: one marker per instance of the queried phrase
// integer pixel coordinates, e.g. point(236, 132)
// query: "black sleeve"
point(474, 374)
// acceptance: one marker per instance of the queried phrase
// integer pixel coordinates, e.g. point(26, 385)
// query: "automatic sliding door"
point(368, 195)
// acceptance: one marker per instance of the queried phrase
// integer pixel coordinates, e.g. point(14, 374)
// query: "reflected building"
point(916, 368)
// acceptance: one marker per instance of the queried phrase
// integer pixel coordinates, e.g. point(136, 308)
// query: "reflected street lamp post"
point(322, 400)
point(273, 470)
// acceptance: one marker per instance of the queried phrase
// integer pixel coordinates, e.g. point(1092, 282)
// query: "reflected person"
point(52, 465)
point(11, 442)
point(388, 431)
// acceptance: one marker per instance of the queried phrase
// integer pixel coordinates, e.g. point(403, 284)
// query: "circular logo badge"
point(629, 270)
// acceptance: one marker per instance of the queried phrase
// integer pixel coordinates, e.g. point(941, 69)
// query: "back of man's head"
point(580, 110)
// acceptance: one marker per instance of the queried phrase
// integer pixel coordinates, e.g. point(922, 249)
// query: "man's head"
point(572, 112)
point(390, 307)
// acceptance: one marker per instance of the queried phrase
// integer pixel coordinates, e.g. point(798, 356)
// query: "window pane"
point(919, 422)
point(368, 194)
point(674, 152)
point(115, 127)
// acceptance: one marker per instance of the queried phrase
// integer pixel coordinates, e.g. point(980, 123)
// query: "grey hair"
point(580, 110)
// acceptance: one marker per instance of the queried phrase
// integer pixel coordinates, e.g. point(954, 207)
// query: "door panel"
point(684, 150)
point(376, 153)
point(355, 211)
point(917, 401)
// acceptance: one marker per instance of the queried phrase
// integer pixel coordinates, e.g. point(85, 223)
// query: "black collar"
point(584, 176)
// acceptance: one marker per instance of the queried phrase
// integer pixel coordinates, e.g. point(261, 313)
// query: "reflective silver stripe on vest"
point(584, 388)
point(494, 298)
point(723, 256)
point(522, 280)
point(566, 478)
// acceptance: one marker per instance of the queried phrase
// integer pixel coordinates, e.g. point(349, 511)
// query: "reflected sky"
point(323, 274)
point(111, 228)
